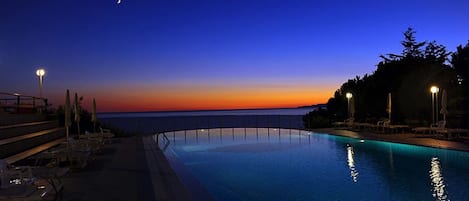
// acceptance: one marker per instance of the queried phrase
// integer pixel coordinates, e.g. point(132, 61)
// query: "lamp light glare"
point(434, 89)
point(40, 72)
point(348, 95)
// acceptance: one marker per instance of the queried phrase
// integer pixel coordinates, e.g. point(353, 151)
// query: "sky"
point(164, 55)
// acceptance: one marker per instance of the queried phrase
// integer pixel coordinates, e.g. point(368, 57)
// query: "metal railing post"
point(17, 104)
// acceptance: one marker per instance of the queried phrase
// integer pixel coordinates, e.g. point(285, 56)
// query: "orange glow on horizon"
point(171, 98)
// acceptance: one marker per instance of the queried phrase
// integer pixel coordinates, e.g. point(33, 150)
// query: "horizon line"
point(204, 110)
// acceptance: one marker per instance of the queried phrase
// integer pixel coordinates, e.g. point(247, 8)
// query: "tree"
point(460, 62)
point(408, 76)
point(412, 48)
point(435, 53)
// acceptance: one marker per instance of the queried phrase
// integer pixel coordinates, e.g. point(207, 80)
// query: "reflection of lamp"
point(349, 96)
point(437, 180)
point(40, 73)
point(351, 163)
point(434, 90)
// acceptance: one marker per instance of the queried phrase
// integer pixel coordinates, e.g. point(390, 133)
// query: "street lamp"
point(434, 90)
point(40, 73)
point(349, 96)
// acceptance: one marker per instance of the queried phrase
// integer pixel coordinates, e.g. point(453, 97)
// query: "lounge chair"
point(386, 127)
point(107, 134)
point(451, 133)
point(28, 183)
point(382, 125)
point(434, 128)
point(346, 123)
point(74, 153)
point(103, 137)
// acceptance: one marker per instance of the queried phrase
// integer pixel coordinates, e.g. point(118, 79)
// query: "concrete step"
point(11, 119)
point(35, 150)
point(14, 130)
point(17, 144)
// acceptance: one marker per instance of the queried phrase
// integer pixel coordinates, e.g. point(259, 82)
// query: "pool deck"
point(125, 170)
point(128, 169)
point(428, 140)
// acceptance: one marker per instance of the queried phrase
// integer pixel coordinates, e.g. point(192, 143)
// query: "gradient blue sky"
point(206, 54)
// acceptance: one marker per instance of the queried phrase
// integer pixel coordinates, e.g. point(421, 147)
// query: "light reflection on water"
point(437, 180)
point(351, 163)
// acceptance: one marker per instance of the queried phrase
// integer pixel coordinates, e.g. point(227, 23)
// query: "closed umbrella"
point(94, 119)
point(352, 107)
point(389, 105)
point(444, 105)
point(76, 108)
point(67, 113)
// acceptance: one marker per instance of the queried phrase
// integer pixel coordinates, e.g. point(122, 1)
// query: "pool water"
point(280, 164)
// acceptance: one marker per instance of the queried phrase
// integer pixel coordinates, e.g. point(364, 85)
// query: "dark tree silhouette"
point(460, 62)
point(412, 48)
point(408, 76)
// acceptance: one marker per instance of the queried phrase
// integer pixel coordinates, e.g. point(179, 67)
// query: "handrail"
point(165, 138)
point(17, 94)
point(15, 102)
point(267, 131)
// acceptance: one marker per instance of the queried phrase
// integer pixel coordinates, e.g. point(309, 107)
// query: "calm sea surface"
point(287, 111)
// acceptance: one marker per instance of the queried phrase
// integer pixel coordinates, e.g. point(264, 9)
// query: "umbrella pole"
point(67, 132)
point(78, 126)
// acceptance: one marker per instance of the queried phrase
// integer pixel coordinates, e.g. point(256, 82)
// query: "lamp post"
point(40, 73)
point(434, 90)
point(349, 96)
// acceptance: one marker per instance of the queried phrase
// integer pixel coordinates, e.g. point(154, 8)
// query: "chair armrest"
point(105, 130)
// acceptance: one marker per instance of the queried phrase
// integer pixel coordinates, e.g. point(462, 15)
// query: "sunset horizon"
point(161, 56)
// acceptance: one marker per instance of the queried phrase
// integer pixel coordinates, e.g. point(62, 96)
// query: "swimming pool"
point(283, 164)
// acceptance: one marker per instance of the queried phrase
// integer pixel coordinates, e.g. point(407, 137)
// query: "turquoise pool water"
point(271, 164)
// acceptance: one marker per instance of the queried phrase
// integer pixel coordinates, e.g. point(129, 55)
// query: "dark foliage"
point(408, 77)
point(460, 62)
point(317, 119)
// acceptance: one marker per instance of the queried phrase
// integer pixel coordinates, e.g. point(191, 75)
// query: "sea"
point(152, 122)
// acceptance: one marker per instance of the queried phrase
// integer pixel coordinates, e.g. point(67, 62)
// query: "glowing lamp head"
point(434, 89)
point(348, 95)
point(40, 72)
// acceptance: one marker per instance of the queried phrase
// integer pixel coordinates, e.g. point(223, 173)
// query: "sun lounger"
point(452, 133)
point(363, 126)
point(346, 123)
point(74, 153)
point(385, 126)
point(26, 183)
point(434, 128)
point(397, 128)
point(105, 136)
point(382, 125)
point(422, 130)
